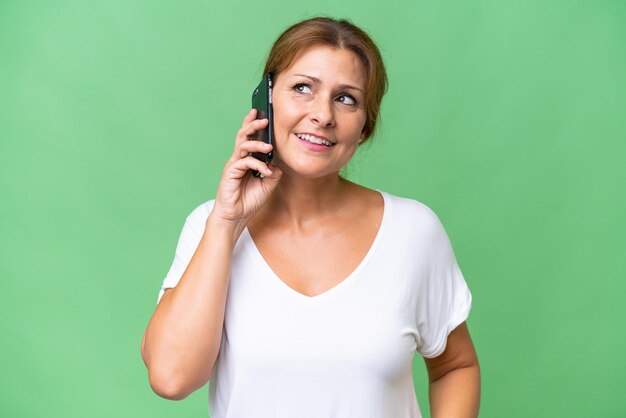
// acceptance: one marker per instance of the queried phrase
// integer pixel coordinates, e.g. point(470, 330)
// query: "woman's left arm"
point(454, 378)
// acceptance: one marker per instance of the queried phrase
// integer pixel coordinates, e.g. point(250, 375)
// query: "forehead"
point(332, 65)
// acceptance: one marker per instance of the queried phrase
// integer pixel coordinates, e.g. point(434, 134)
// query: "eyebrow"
point(342, 86)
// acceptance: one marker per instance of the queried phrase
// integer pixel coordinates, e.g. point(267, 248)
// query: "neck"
point(300, 201)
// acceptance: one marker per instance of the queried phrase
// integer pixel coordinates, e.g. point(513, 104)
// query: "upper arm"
point(459, 353)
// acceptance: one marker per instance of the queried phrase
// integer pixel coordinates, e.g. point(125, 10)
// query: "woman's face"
point(319, 111)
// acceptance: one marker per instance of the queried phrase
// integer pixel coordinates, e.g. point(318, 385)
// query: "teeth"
point(314, 139)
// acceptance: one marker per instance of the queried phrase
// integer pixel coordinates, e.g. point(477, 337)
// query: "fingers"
point(249, 127)
point(273, 179)
point(239, 168)
point(249, 117)
point(245, 148)
point(239, 192)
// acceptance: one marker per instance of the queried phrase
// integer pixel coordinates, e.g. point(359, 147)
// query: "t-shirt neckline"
point(338, 288)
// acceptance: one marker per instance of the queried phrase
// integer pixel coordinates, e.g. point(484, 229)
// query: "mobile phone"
point(262, 102)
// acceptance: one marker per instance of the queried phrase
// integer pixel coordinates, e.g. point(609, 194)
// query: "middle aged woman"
point(303, 294)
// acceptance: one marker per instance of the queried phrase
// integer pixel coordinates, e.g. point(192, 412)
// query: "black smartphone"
point(262, 102)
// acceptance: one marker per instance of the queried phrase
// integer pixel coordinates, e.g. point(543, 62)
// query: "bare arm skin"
point(454, 378)
point(183, 338)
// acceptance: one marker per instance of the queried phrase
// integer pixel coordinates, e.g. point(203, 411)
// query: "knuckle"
point(252, 161)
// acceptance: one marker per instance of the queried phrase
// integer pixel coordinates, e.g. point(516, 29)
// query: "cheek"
point(286, 117)
point(357, 126)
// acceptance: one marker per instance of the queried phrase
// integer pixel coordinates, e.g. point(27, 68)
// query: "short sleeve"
point(444, 299)
point(188, 241)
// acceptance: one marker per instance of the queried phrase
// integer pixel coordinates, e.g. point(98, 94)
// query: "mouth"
point(315, 139)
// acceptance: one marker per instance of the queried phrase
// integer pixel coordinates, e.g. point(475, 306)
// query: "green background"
point(507, 118)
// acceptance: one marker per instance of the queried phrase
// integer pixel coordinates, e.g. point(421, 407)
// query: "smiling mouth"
point(315, 140)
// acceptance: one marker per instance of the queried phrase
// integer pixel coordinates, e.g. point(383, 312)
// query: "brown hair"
point(337, 33)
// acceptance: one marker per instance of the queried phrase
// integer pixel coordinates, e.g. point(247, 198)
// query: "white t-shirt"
point(347, 352)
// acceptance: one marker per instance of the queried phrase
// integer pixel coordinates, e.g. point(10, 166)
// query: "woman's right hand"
point(240, 194)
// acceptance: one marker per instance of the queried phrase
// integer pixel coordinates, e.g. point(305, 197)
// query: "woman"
point(302, 294)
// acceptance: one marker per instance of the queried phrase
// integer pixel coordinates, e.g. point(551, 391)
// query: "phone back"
point(262, 102)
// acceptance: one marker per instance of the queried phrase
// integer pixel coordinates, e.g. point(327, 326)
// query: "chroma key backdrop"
point(507, 118)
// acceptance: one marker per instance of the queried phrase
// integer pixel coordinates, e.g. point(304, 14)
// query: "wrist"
point(227, 229)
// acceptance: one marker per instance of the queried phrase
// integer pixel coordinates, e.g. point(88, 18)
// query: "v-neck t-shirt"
point(347, 352)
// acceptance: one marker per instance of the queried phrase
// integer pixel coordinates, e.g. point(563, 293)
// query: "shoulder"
point(196, 220)
point(417, 221)
point(201, 211)
point(411, 210)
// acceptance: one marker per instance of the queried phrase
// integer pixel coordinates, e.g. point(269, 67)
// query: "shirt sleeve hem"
point(163, 289)
point(457, 320)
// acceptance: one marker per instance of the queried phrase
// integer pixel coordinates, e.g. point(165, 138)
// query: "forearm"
point(183, 338)
point(456, 394)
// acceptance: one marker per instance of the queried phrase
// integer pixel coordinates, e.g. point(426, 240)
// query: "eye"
point(302, 88)
point(347, 100)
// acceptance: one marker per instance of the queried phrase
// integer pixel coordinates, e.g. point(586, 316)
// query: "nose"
point(322, 112)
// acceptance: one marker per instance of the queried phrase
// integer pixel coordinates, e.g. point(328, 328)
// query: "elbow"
point(170, 379)
point(165, 384)
point(168, 387)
